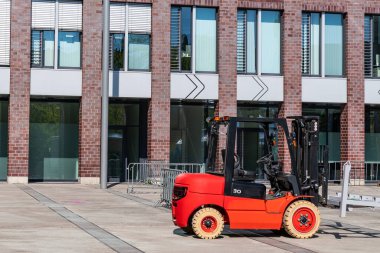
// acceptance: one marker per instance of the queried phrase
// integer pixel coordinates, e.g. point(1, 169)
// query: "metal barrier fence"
point(361, 172)
point(168, 176)
point(150, 173)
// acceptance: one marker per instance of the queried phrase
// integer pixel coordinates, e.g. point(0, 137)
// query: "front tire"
point(301, 219)
point(207, 223)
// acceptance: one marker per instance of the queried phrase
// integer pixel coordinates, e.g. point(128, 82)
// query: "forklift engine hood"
point(201, 183)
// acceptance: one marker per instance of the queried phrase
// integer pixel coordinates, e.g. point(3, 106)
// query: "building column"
point(291, 67)
point(227, 88)
point(159, 106)
point(19, 98)
point(90, 107)
point(353, 113)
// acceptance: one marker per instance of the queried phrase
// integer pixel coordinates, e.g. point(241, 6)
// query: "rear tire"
point(301, 219)
point(207, 223)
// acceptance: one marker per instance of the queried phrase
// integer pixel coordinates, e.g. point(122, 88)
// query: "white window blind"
point(5, 9)
point(70, 15)
point(139, 18)
point(43, 14)
point(241, 39)
point(117, 17)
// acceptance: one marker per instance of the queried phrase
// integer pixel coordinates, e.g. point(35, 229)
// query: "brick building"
point(173, 64)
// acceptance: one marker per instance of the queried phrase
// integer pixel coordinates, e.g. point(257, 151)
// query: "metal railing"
point(361, 172)
point(149, 174)
point(168, 177)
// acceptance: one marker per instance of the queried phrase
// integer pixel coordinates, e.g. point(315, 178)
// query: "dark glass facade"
point(329, 121)
point(372, 134)
point(188, 132)
point(53, 141)
point(127, 137)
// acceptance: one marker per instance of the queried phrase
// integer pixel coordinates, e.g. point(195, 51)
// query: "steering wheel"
point(266, 160)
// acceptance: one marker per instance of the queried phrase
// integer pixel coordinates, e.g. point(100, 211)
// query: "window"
point(186, 31)
point(311, 23)
point(372, 46)
point(205, 40)
point(116, 51)
point(42, 49)
point(181, 39)
point(56, 28)
point(5, 33)
point(316, 26)
point(271, 42)
point(249, 41)
point(130, 40)
point(138, 52)
point(334, 44)
point(69, 49)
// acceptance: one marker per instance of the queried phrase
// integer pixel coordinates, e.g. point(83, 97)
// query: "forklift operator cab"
point(228, 193)
point(243, 179)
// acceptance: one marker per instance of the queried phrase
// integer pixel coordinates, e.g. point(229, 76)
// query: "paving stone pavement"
point(79, 218)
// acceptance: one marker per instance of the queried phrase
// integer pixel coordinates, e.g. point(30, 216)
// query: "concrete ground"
point(78, 218)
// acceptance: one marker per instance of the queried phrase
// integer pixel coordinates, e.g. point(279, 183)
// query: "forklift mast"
point(305, 132)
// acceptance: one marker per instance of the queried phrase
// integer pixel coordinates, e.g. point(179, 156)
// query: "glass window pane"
point(334, 44)
point(69, 48)
point(118, 51)
point(3, 139)
point(188, 133)
point(48, 48)
point(54, 141)
point(314, 43)
point(186, 40)
point(205, 39)
point(376, 46)
point(139, 52)
point(36, 54)
point(271, 42)
point(251, 41)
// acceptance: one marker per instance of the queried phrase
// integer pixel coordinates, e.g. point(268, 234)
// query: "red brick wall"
point(19, 102)
point(227, 90)
point(291, 53)
point(159, 107)
point(90, 108)
point(352, 118)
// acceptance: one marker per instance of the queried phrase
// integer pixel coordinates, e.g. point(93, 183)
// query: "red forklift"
point(230, 194)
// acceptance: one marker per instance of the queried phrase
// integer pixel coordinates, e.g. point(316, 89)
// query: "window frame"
point(150, 53)
point(320, 65)
point(42, 64)
point(80, 48)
